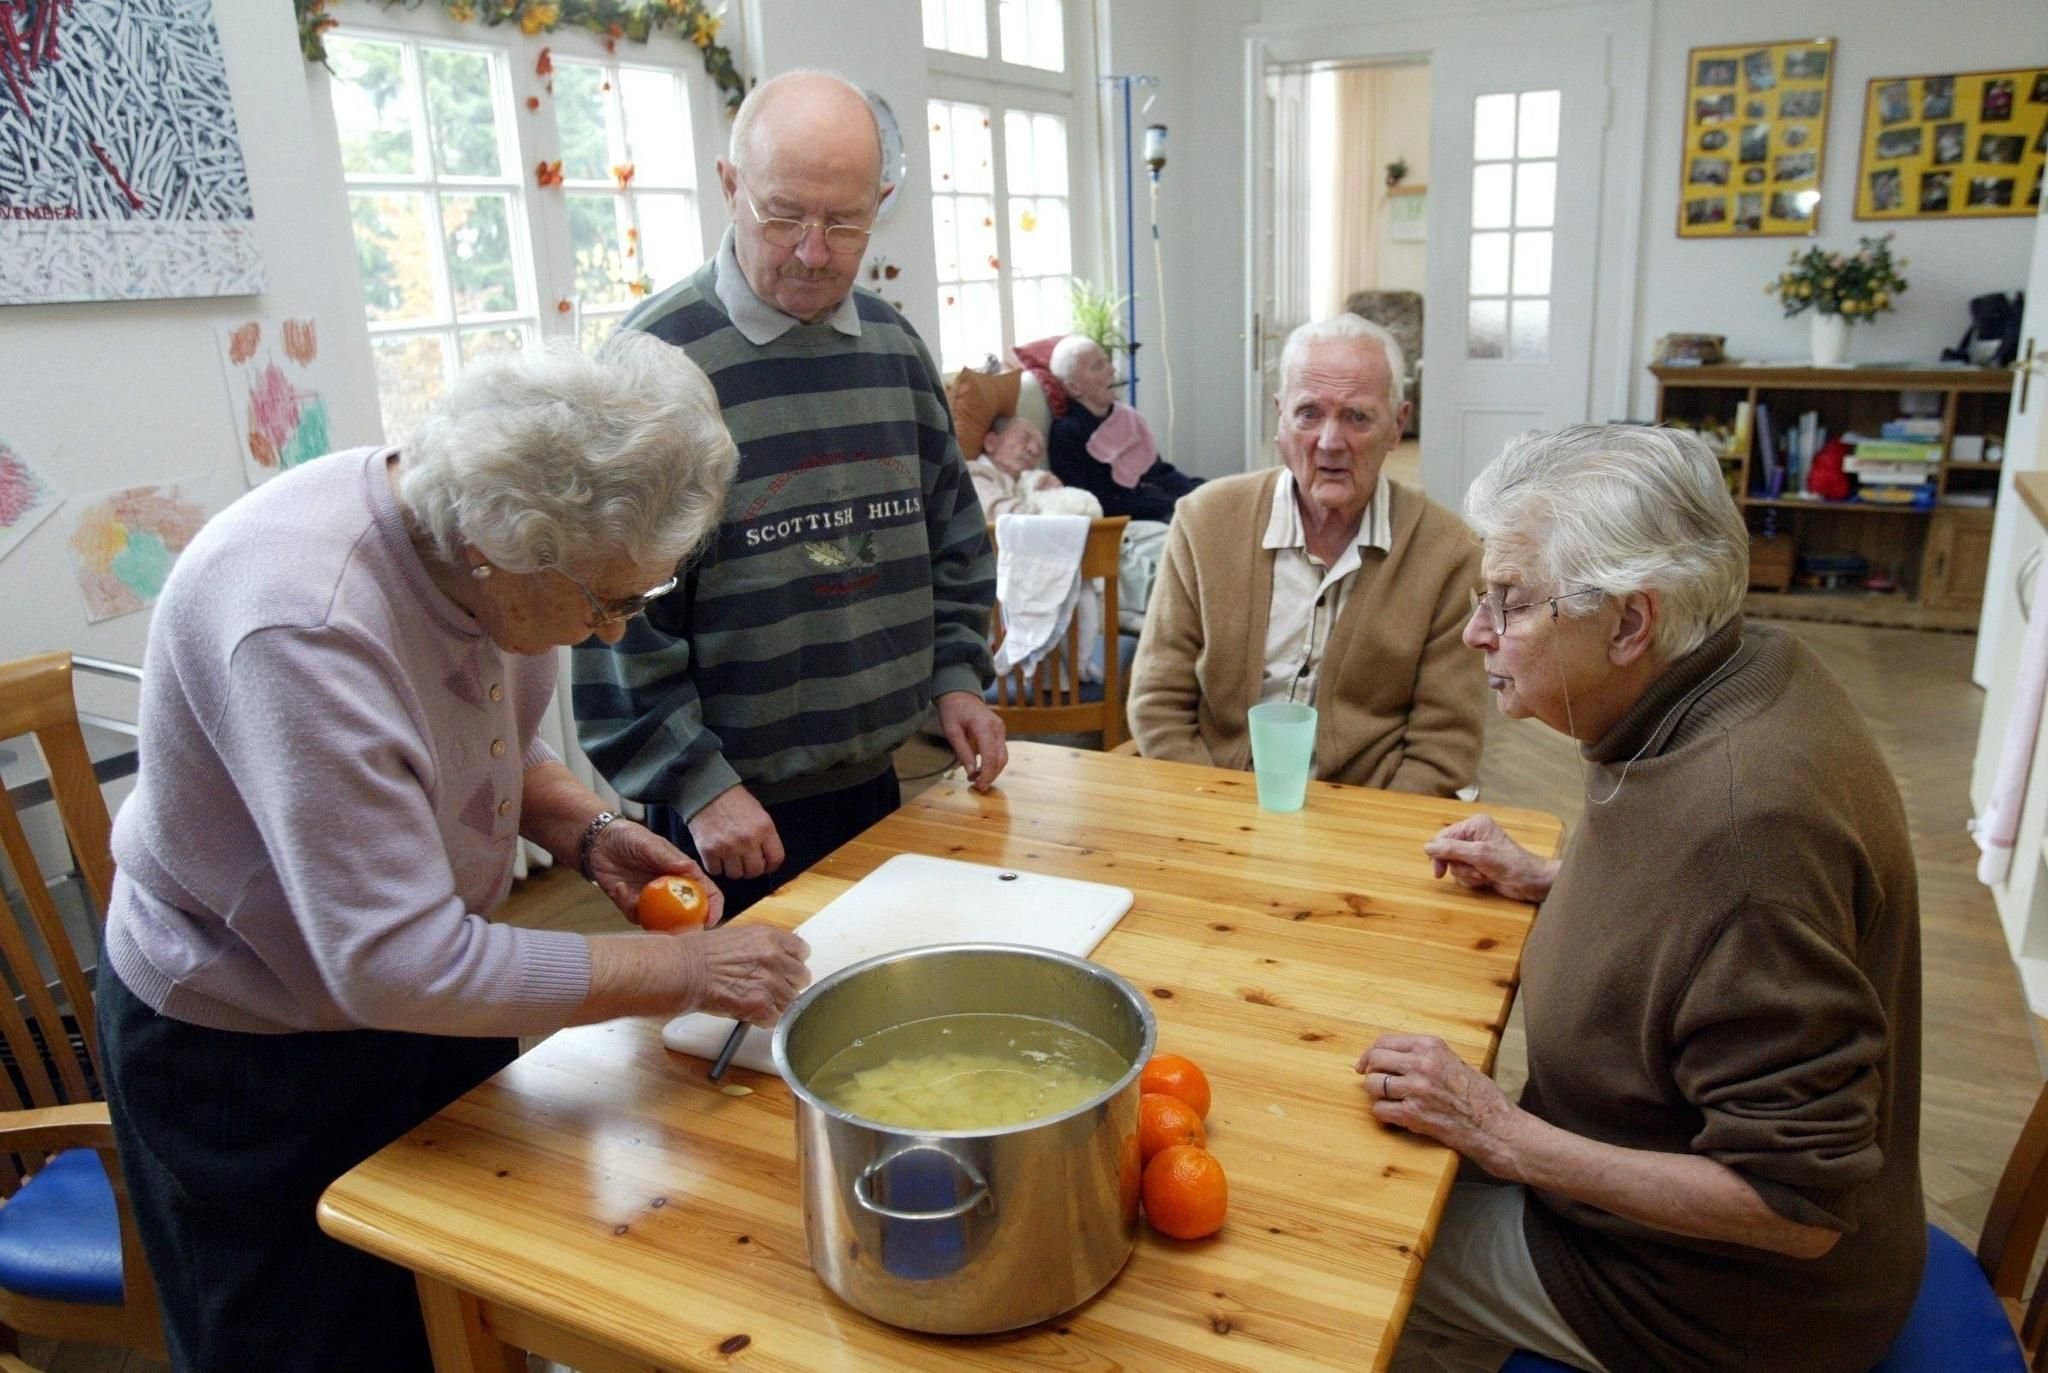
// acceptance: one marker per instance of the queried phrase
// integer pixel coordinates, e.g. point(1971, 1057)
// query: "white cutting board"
point(911, 901)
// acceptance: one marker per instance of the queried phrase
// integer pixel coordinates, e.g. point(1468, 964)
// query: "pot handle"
point(976, 1197)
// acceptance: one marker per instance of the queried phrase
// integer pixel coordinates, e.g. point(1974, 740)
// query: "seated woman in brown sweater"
point(1715, 1163)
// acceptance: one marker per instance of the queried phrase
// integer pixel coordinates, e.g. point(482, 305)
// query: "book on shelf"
point(1861, 466)
point(1869, 478)
point(1895, 450)
point(1916, 427)
point(1969, 500)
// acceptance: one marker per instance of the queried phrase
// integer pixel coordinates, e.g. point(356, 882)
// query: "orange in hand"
point(1185, 1192)
point(672, 902)
point(1164, 1121)
point(1179, 1077)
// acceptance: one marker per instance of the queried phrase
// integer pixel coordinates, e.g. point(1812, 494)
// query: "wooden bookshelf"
point(1936, 556)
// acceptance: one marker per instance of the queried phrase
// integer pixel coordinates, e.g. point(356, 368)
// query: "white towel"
point(2000, 823)
point(1038, 581)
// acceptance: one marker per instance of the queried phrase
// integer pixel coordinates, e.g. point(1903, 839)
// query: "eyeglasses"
point(1497, 610)
point(787, 233)
point(604, 613)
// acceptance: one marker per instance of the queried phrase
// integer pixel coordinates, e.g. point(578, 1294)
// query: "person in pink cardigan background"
point(1103, 446)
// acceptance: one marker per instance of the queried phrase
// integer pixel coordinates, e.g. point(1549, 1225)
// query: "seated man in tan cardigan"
point(1359, 590)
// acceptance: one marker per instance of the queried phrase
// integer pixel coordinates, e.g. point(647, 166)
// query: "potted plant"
point(1096, 313)
point(1841, 289)
point(1397, 172)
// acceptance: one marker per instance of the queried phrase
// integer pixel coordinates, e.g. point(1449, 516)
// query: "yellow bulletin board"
point(1959, 146)
point(1756, 123)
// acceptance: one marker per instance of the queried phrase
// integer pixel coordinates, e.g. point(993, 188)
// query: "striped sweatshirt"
point(850, 582)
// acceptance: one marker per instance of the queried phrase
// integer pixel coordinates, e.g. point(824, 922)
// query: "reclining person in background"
point(1011, 479)
point(1104, 446)
point(1359, 591)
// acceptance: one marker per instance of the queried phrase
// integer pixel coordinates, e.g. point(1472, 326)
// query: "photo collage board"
point(1756, 123)
point(1957, 146)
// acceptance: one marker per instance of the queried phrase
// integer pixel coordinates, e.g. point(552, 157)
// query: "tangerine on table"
point(1185, 1192)
point(1164, 1121)
point(1177, 1076)
point(672, 902)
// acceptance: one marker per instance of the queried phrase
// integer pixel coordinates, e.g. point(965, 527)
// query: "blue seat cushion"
point(60, 1238)
point(1956, 1322)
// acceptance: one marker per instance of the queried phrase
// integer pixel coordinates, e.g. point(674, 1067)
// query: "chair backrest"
point(2012, 1230)
point(1048, 700)
point(1399, 312)
point(55, 1061)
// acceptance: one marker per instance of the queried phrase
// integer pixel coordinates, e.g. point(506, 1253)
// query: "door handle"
point(2027, 366)
point(2024, 583)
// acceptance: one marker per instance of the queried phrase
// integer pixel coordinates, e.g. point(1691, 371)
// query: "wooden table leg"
point(456, 1334)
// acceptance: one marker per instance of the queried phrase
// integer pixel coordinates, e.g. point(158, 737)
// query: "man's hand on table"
point(735, 835)
point(976, 735)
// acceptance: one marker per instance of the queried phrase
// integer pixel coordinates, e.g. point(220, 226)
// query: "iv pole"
point(1124, 84)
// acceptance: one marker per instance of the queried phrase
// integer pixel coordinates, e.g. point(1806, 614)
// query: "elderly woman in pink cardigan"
point(345, 675)
point(1103, 446)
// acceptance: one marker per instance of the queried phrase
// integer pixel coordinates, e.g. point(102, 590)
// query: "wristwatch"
point(588, 843)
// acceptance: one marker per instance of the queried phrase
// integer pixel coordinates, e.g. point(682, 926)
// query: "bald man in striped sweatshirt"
point(756, 708)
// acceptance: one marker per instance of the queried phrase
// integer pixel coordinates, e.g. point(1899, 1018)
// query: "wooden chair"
point(71, 1265)
point(1973, 1311)
point(1052, 699)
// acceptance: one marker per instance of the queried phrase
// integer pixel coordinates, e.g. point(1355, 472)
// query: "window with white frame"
point(1001, 126)
point(1514, 211)
point(464, 247)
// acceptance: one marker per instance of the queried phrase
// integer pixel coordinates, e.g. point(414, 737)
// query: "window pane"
point(1535, 195)
point(372, 105)
point(946, 237)
point(1033, 33)
point(973, 155)
point(1492, 192)
point(657, 128)
point(1049, 144)
point(595, 236)
point(1539, 124)
point(1022, 170)
point(1529, 339)
point(970, 325)
point(977, 237)
point(1040, 239)
point(596, 329)
point(1532, 263)
point(966, 28)
point(935, 23)
point(1489, 264)
point(1486, 329)
point(462, 111)
point(580, 117)
point(939, 115)
point(477, 344)
point(1042, 307)
point(410, 378)
point(479, 237)
point(1493, 127)
point(393, 256)
point(668, 244)
point(1014, 26)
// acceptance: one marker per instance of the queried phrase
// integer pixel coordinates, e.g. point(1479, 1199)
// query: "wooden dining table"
point(603, 1203)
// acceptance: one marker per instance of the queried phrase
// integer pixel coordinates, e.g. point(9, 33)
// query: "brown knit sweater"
point(1729, 964)
point(1400, 702)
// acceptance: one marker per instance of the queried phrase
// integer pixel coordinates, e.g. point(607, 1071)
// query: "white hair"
point(739, 144)
point(1066, 354)
point(1622, 508)
point(556, 459)
point(1351, 327)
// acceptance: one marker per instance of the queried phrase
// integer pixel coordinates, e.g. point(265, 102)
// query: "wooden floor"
point(1980, 1072)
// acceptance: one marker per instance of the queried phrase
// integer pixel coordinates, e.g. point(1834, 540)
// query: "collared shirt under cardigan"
point(1307, 595)
point(1401, 702)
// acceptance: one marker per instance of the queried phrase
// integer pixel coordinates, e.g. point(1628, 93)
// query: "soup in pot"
point(968, 1072)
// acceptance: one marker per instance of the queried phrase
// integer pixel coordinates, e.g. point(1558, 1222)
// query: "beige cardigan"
point(1400, 702)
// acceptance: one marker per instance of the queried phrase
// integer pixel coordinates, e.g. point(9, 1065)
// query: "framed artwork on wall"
point(1963, 145)
point(1756, 122)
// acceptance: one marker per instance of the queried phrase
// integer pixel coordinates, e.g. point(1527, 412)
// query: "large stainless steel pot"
point(965, 1232)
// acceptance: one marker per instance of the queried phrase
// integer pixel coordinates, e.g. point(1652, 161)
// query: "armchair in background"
point(1400, 314)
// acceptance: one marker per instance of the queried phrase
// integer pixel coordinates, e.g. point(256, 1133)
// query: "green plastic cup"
point(1283, 746)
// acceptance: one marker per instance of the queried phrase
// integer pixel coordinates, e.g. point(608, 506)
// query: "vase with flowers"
point(1841, 289)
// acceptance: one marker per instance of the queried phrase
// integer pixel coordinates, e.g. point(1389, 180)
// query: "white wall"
point(1716, 286)
point(1195, 48)
point(100, 396)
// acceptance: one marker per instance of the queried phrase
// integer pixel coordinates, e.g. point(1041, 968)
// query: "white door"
point(1514, 218)
point(2026, 450)
point(1280, 234)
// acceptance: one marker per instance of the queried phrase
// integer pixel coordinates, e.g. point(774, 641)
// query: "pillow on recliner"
point(978, 400)
point(1037, 357)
